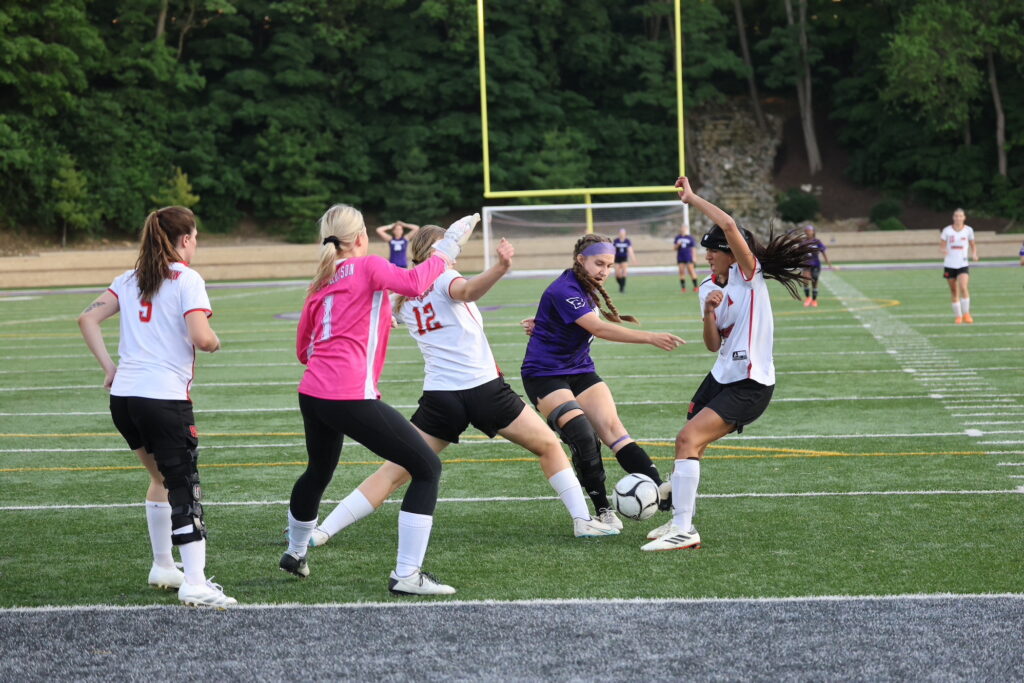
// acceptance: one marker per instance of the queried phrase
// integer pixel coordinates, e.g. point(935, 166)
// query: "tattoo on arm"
point(94, 304)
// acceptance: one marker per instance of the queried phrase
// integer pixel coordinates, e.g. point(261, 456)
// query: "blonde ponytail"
point(339, 227)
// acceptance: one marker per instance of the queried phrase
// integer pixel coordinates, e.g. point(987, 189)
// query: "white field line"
point(534, 499)
point(536, 602)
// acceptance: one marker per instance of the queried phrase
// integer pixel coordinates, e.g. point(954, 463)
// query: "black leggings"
point(377, 426)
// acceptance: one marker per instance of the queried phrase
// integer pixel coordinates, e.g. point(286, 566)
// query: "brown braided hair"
point(157, 250)
point(592, 286)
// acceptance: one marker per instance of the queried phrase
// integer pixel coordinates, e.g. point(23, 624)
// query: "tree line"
point(271, 110)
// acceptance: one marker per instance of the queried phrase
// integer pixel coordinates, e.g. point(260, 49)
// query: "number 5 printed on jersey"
point(426, 319)
point(146, 312)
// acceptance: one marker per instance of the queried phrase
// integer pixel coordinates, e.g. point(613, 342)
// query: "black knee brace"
point(586, 450)
point(181, 479)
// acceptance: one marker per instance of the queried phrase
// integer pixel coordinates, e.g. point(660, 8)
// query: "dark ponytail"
point(784, 258)
point(592, 286)
point(157, 250)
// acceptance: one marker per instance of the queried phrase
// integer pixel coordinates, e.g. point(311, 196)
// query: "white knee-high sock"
point(956, 308)
point(158, 519)
point(965, 306)
point(413, 537)
point(193, 556)
point(567, 486)
point(298, 535)
point(685, 478)
point(349, 511)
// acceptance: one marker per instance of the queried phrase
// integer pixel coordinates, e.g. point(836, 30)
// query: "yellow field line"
point(449, 461)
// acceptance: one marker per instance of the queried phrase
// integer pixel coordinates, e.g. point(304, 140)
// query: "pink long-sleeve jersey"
point(343, 333)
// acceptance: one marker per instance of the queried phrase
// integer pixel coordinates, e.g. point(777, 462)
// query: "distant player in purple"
point(812, 267)
point(624, 255)
point(559, 375)
point(1022, 254)
point(398, 241)
point(684, 244)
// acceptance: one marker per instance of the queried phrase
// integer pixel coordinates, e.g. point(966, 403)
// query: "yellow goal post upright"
point(587, 193)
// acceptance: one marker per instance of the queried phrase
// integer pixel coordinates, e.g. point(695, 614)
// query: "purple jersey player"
point(684, 244)
point(559, 375)
point(812, 267)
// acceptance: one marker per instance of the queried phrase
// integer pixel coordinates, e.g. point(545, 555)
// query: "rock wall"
point(733, 162)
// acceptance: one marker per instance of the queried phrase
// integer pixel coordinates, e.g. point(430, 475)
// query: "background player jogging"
point(739, 326)
point(560, 378)
point(462, 385)
point(164, 318)
point(624, 255)
point(957, 240)
point(342, 339)
point(812, 268)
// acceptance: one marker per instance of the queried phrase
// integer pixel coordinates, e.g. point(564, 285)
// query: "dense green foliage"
point(272, 110)
point(887, 208)
point(796, 206)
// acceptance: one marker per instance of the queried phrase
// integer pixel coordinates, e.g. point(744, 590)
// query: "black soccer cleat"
point(294, 565)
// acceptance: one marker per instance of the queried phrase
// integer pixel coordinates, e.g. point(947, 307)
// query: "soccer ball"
point(636, 496)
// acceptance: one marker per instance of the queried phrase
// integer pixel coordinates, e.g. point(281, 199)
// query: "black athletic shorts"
point(622, 259)
point(951, 273)
point(738, 403)
point(815, 272)
point(488, 407)
point(158, 424)
point(537, 388)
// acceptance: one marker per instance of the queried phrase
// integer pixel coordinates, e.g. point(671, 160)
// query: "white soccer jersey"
point(707, 286)
point(157, 358)
point(958, 246)
point(747, 327)
point(451, 338)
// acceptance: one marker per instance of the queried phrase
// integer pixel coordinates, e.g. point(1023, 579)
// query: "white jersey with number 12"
point(958, 244)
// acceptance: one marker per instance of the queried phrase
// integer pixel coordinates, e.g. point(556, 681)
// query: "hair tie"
point(332, 240)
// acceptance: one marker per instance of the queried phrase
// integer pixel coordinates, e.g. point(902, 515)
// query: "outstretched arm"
point(474, 288)
point(740, 250)
point(603, 329)
point(105, 305)
point(409, 228)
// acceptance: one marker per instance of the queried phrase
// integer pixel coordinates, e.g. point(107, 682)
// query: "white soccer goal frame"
point(488, 210)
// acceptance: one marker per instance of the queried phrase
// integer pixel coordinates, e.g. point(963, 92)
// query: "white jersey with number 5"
point(451, 338)
point(157, 358)
point(958, 244)
point(748, 330)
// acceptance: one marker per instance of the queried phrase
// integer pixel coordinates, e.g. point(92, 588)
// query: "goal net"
point(548, 232)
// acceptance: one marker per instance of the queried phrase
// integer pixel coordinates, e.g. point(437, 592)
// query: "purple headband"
point(599, 248)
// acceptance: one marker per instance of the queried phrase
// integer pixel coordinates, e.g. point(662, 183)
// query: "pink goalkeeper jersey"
point(343, 332)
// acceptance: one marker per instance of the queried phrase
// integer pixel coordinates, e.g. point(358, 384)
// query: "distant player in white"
point(739, 326)
point(164, 318)
point(957, 239)
point(463, 385)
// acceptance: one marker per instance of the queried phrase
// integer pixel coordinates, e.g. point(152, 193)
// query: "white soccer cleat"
point(592, 528)
point(167, 578)
point(207, 594)
point(658, 532)
point(418, 583)
point(318, 538)
point(675, 539)
point(608, 516)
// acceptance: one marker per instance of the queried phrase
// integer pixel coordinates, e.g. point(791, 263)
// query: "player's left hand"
point(108, 380)
point(527, 325)
point(685, 191)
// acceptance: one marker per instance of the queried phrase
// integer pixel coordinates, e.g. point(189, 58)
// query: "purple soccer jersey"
point(558, 345)
point(814, 260)
point(622, 249)
point(684, 248)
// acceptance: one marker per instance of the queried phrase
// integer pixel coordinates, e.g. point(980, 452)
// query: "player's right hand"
point(527, 324)
point(713, 301)
point(505, 252)
point(666, 341)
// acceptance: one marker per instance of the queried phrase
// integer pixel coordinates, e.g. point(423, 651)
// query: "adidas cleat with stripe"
point(167, 578)
point(207, 594)
point(675, 539)
point(592, 528)
point(418, 583)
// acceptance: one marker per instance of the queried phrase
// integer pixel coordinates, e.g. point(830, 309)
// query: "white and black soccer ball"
point(636, 496)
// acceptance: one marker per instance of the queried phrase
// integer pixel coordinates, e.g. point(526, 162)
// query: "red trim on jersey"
point(466, 304)
point(207, 311)
point(745, 278)
point(114, 293)
point(750, 335)
point(454, 280)
point(188, 385)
